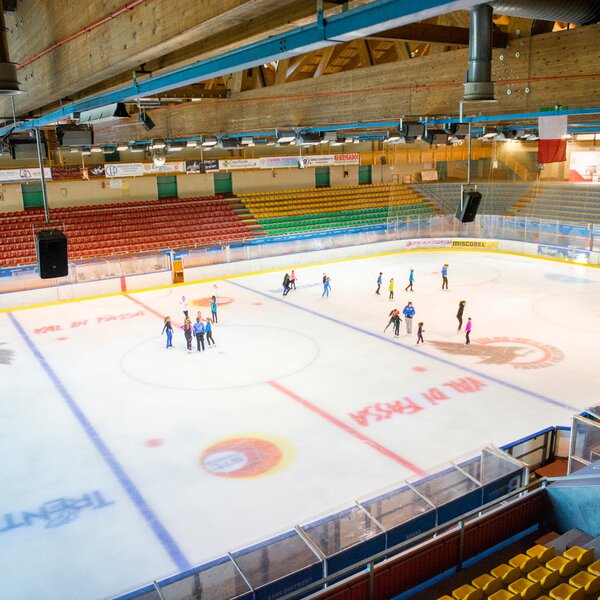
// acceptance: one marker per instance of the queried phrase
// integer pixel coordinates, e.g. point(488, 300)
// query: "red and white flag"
point(552, 146)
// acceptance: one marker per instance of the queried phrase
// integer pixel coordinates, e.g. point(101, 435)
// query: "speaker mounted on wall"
point(467, 210)
point(51, 251)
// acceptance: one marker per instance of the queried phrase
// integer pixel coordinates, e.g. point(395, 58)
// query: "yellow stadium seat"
point(507, 573)
point(527, 590)
point(565, 567)
point(504, 595)
point(467, 592)
point(586, 581)
point(548, 579)
point(487, 583)
point(594, 568)
point(445, 598)
point(581, 555)
point(566, 592)
point(542, 553)
point(524, 563)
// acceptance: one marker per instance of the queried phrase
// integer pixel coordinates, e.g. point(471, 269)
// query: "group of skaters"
point(201, 329)
point(409, 311)
point(289, 282)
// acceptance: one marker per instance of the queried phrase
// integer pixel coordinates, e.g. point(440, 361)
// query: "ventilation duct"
point(9, 86)
point(479, 86)
point(580, 12)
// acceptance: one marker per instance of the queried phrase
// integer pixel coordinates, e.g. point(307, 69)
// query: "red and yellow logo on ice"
point(247, 456)
point(221, 300)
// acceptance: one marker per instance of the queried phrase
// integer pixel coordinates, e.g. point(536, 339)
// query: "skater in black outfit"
point(286, 284)
point(459, 314)
point(187, 332)
point(395, 321)
point(420, 331)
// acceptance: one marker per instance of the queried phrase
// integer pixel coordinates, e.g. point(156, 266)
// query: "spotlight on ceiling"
point(308, 139)
point(412, 130)
point(158, 144)
point(209, 142)
point(146, 121)
point(435, 137)
point(121, 147)
point(285, 136)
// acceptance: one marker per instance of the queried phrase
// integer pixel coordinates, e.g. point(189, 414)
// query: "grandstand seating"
point(298, 211)
point(537, 575)
point(103, 230)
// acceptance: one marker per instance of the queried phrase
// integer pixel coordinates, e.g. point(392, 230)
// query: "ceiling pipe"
point(9, 85)
point(479, 86)
point(580, 12)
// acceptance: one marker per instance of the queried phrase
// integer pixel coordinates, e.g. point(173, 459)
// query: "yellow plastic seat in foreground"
point(581, 555)
point(467, 592)
point(507, 573)
point(504, 595)
point(586, 581)
point(524, 563)
point(527, 590)
point(566, 592)
point(542, 553)
point(565, 567)
point(548, 579)
point(487, 583)
point(594, 568)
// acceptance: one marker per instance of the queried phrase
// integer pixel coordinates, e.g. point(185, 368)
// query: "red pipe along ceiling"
point(86, 29)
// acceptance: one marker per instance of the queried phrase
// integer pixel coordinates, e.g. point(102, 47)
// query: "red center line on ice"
point(345, 427)
point(150, 309)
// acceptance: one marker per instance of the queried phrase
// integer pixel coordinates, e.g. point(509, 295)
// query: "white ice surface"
point(292, 371)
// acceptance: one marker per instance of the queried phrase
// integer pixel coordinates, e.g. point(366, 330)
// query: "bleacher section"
point(497, 198)
point(561, 202)
point(298, 211)
point(103, 230)
point(543, 572)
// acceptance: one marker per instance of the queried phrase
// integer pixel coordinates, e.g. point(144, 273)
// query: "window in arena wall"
point(364, 175)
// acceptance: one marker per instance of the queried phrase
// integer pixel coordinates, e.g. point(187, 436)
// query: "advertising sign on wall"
point(201, 166)
point(170, 167)
point(239, 163)
point(568, 254)
point(124, 170)
point(584, 167)
point(23, 175)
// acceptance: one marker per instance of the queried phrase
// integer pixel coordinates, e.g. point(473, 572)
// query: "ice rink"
point(123, 461)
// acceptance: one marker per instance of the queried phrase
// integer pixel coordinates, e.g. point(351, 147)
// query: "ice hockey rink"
point(123, 461)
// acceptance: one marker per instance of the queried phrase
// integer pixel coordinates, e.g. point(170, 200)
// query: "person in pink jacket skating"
point(468, 328)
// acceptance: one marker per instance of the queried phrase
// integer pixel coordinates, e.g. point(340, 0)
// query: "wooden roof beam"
point(437, 34)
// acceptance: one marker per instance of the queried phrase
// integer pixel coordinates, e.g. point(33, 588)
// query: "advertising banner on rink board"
point(23, 175)
point(328, 160)
point(475, 244)
point(201, 166)
point(124, 170)
point(235, 164)
point(170, 167)
point(568, 254)
point(584, 167)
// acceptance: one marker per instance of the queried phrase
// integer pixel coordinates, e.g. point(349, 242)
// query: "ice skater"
point(184, 306)
point(169, 329)
point(286, 284)
point(395, 321)
point(326, 287)
point(199, 333)
point(468, 328)
point(208, 329)
point(459, 314)
point(213, 309)
point(293, 280)
point(445, 277)
point(409, 313)
point(379, 283)
point(391, 289)
point(420, 332)
point(411, 280)
point(324, 278)
point(187, 332)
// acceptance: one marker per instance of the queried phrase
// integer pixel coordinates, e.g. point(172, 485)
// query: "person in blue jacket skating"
point(326, 287)
point(445, 277)
point(411, 280)
point(199, 333)
point(379, 282)
point(208, 329)
point(213, 309)
point(409, 313)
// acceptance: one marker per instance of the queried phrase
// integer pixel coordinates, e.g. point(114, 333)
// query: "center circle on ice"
point(245, 355)
point(242, 457)
point(221, 301)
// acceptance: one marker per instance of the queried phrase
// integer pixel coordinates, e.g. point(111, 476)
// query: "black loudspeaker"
point(146, 120)
point(51, 250)
point(470, 205)
point(383, 160)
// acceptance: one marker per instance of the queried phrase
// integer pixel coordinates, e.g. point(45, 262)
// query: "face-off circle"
point(246, 457)
point(221, 301)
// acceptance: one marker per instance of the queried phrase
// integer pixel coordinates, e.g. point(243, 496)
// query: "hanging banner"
point(23, 175)
point(347, 159)
point(278, 162)
point(92, 172)
point(201, 166)
point(170, 167)
point(584, 167)
point(239, 163)
point(124, 170)
point(66, 172)
point(328, 160)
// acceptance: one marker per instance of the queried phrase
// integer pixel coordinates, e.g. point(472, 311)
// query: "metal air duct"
point(479, 86)
point(9, 86)
point(580, 12)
